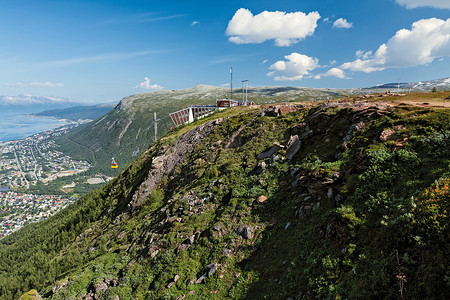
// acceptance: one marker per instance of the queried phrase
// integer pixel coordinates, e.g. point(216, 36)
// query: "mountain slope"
point(331, 201)
point(128, 130)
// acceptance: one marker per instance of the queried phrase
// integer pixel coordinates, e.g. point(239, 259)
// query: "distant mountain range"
point(36, 103)
point(76, 113)
point(439, 84)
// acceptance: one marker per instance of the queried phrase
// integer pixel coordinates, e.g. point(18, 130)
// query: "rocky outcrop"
point(169, 157)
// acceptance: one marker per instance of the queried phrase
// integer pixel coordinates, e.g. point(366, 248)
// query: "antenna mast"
point(231, 83)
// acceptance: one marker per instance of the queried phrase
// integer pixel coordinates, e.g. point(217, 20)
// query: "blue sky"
point(98, 51)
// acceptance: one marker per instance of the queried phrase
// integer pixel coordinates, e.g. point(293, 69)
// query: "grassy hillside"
point(338, 201)
point(128, 130)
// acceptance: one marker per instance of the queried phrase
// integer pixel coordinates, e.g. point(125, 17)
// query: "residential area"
point(25, 163)
point(17, 209)
point(36, 158)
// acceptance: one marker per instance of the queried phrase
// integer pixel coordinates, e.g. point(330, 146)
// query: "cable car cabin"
point(114, 165)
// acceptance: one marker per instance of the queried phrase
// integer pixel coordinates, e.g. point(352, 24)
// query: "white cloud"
point(46, 84)
point(363, 54)
point(35, 84)
point(147, 86)
point(225, 85)
point(195, 23)
point(264, 61)
point(428, 39)
point(326, 20)
point(285, 28)
point(16, 84)
point(295, 67)
point(336, 72)
point(342, 23)
point(418, 3)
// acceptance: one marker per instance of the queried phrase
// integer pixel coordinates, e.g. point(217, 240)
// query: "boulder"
point(158, 162)
point(190, 240)
point(287, 225)
point(261, 168)
point(240, 229)
point(286, 109)
point(248, 232)
point(269, 153)
point(31, 295)
point(212, 269)
point(101, 287)
point(387, 134)
point(201, 278)
point(293, 146)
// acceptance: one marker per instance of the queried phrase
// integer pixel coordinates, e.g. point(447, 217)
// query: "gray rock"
point(183, 247)
point(201, 278)
point(248, 232)
point(307, 198)
point(190, 240)
point(261, 168)
point(240, 229)
point(101, 287)
point(269, 153)
point(191, 282)
point(293, 146)
point(212, 269)
point(316, 206)
point(274, 159)
point(227, 252)
point(330, 192)
point(158, 162)
point(339, 199)
point(301, 212)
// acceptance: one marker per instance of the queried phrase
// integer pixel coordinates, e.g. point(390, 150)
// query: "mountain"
point(333, 200)
point(440, 84)
point(34, 103)
point(76, 113)
point(128, 130)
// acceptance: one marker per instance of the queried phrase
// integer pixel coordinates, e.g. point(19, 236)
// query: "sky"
point(102, 51)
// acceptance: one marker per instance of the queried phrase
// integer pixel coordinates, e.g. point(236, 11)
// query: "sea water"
point(16, 125)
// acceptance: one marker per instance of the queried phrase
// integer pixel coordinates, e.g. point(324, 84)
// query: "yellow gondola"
point(114, 165)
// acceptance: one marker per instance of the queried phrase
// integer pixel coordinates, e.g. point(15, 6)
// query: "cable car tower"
point(114, 165)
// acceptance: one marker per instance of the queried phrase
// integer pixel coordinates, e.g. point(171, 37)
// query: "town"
point(17, 210)
point(36, 158)
point(23, 164)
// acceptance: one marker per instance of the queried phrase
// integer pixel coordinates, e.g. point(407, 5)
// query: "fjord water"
point(15, 125)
